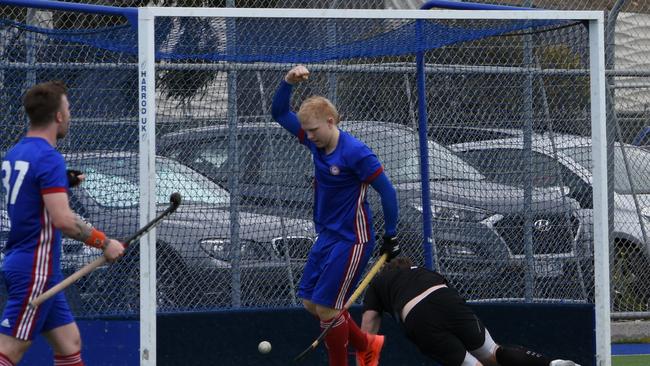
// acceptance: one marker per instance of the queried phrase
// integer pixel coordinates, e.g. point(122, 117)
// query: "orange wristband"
point(96, 239)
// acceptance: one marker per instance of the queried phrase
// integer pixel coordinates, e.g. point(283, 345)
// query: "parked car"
point(198, 260)
point(565, 160)
point(477, 224)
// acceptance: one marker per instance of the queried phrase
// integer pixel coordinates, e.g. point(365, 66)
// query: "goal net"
point(483, 121)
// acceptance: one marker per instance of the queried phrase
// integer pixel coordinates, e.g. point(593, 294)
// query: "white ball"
point(264, 347)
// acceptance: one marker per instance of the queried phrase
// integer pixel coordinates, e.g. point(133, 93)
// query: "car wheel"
point(630, 278)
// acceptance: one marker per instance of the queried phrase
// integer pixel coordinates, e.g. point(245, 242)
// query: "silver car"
point(565, 160)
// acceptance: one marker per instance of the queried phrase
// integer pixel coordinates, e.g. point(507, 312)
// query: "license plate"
point(548, 268)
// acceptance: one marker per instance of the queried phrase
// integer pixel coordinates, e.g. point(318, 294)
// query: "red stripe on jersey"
point(374, 175)
point(366, 225)
point(361, 227)
point(301, 136)
point(45, 191)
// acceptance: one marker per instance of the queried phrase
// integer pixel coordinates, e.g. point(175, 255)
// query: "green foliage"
point(633, 340)
point(559, 56)
point(567, 95)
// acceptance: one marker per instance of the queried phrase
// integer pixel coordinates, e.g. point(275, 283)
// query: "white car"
point(565, 160)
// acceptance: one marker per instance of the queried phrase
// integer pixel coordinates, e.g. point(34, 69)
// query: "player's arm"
point(74, 227)
point(370, 171)
point(388, 196)
point(371, 321)
point(372, 307)
point(280, 108)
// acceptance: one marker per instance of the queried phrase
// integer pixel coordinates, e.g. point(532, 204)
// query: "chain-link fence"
point(476, 93)
point(510, 220)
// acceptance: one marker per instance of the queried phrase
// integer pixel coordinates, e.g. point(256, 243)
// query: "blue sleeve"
point(281, 111)
point(51, 173)
point(365, 163)
point(388, 195)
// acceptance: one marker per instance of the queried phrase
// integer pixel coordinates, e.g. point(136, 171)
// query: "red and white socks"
point(344, 331)
point(358, 338)
point(5, 361)
point(336, 341)
point(69, 360)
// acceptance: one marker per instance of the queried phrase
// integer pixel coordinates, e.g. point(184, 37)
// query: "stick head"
point(175, 200)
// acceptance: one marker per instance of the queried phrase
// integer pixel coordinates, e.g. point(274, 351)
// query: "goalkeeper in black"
point(438, 320)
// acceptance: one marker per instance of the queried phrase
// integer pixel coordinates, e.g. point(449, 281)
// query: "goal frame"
point(147, 122)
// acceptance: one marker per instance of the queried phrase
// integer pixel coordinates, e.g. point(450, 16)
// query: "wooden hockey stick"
point(362, 286)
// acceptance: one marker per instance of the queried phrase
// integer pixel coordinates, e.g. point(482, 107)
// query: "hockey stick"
point(174, 202)
point(362, 286)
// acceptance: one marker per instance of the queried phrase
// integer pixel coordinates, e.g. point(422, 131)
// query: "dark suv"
point(477, 225)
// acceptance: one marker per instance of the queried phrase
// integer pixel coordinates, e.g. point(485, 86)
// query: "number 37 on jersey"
point(19, 169)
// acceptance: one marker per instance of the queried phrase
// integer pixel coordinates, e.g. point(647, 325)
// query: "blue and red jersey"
point(342, 178)
point(31, 169)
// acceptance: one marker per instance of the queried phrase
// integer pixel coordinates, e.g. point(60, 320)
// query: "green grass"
point(631, 360)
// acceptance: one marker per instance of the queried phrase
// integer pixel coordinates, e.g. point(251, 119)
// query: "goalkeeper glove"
point(390, 246)
point(73, 177)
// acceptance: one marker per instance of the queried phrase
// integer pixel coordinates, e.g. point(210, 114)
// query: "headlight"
point(444, 211)
point(456, 250)
point(222, 249)
point(216, 248)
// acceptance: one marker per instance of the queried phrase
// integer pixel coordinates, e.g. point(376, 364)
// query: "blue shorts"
point(22, 322)
point(332, 271)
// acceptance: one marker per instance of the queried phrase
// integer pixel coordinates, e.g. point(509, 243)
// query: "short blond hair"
point(318, 107)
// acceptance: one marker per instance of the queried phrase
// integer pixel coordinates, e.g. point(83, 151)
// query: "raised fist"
point(297, 74)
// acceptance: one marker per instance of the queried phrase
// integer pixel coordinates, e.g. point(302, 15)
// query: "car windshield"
point(113, 182)
point(398, 149)
point(271, 157)
point(637, 159)
point(513, 167)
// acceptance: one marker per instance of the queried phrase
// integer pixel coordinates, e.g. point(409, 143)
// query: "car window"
point(510, 166)
point(211, 157)
point(273, 158)
point(637, 179)
point(399, 152)
point(448, 135)
point(214, 154)
point(113, 182)
point(285, 162)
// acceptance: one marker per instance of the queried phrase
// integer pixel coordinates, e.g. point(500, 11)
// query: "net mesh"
point(505, 101)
